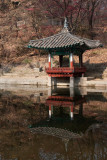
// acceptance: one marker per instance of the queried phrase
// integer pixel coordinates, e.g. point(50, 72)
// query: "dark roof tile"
point(63, 40)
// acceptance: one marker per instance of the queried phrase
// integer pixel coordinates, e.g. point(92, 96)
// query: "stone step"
point(90, 78)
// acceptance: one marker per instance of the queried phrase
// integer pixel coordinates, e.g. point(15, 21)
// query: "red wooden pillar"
point(71, 112)
point(50, 111)
point(49, 60)
point(71, 60)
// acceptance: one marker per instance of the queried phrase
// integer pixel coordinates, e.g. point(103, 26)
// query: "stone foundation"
point(53, 81)
point(48, 81)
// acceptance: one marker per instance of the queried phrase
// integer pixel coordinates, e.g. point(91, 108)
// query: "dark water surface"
point(57, 124)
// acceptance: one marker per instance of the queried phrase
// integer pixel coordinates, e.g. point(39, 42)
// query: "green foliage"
point(26, 61)
point(95, 52)
point(28, 103)
point(56, 62)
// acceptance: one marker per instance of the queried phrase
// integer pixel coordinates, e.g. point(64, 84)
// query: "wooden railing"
point(65, 71)
point(60, 70)
point(64, 101)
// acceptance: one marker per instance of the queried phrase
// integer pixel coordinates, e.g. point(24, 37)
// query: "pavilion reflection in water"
point(63, 123)
point(58, 136)
point(67, 101)
point(63, 115)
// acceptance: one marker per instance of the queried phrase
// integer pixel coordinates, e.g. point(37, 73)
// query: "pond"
point(53, 123)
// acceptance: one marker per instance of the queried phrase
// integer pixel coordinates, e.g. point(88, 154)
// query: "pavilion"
point(61, 44)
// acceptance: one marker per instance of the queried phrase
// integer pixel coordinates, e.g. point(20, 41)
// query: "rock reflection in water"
point(53, 125)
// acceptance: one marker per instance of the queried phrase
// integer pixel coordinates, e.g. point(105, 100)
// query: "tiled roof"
point(64, 39)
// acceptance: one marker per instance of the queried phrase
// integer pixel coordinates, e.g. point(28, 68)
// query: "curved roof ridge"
point(90, 39)
point(64, 40)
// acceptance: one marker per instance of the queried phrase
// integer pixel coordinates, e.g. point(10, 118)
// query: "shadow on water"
point(57, 124)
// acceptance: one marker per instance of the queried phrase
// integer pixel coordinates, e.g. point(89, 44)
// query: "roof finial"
point(66, 23)
point(66, 28)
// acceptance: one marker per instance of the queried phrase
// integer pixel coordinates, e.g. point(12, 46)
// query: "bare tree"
point(91, 8)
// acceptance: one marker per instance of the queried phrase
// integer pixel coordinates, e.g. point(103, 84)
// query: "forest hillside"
point(22, 20)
